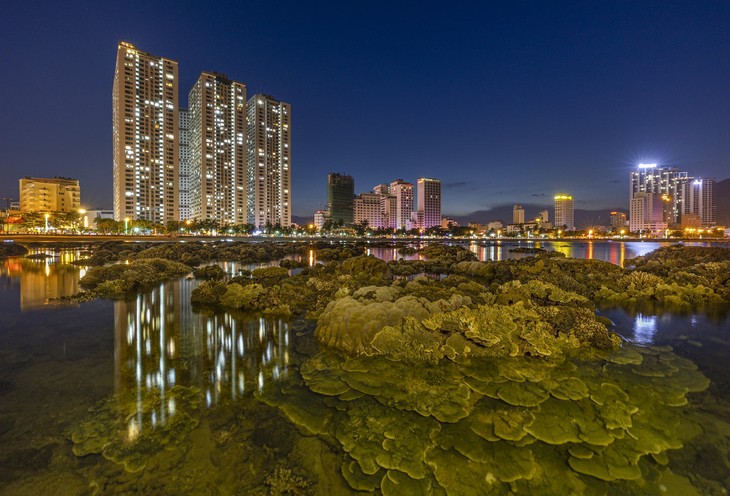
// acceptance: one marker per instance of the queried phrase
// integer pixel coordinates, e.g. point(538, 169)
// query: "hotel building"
point(145, 124)
point(564, 212)
point(57, 194)
point(403, 193)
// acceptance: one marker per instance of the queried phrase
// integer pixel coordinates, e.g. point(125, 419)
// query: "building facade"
point(428, 202)
point(668, 182)
point(698, 203)
point(184, 166)
point(145, 125)
point(268, 138)
point(340, 198)
point(368, 208)
point(403, 193)
point(518, 214)
point(618, 221)
point(646, 214)
point(217, 113)
point(57, 194)
point(564, 212)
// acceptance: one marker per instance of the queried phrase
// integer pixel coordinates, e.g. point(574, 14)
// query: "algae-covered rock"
point(128, 430)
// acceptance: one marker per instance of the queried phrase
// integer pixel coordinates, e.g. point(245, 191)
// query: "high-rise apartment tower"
point(268, 161)
point(184, 165)
point(145, 125)
point(428, 202)
point(217, 113)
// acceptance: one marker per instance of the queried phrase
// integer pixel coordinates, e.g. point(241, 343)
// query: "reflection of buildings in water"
point(645, 327)
point(44, 279)
point(160, 343)
point(486, 253)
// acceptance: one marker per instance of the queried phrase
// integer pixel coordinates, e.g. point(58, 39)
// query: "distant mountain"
point(583, 218)
point(722, 198)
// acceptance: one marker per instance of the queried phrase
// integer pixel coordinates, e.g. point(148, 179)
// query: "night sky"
point(505, 103)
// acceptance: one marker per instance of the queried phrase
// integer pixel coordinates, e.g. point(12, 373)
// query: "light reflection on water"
point(44, 279)
point(615, 252)
point(161, 342)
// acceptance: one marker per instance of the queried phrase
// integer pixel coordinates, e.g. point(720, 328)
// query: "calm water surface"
point(177, 395)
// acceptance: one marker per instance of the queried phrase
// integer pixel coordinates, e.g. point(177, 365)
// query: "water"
point(182, 399)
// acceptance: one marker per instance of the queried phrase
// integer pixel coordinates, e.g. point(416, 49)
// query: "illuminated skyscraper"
point(340, 198)
point(218, 149)
point(403, 192)
point(698, 203)
point(268, 164)
point(564, 212)
point(429, 202)
point(145, 124)
point(664, 181)
point(184, 165)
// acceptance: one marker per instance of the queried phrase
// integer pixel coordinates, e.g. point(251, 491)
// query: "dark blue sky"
point(505, 102)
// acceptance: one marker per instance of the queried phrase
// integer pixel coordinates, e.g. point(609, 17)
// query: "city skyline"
point(521, 113)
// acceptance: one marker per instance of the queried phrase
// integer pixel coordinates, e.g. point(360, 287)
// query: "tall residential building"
point(57, 194)
point(184, 165)
point(698, 203)
point(268, 164)
point(646, 213)
point(544, 216)
point(145, 124)
point(564, 212)
point(518, 214)
point(389, 207)
point(340, 197)
point(368, 207)
point(403, 193)
point(665, 181)
point(217, 112)
point(429, 202)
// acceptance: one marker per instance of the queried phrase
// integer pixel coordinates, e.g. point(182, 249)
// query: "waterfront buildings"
point(403, 193)
point(564, 212)
point(428, 202)
point(217, 113)
point(268, 138)
point(685, 201)
point(56, 194)
point(340, 198)
point(518, 214)
point(145, 123)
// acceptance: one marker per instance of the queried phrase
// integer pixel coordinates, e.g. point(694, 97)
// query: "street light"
point(46, 216)
point(85, 220)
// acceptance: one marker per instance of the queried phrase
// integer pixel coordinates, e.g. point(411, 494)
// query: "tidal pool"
point(146, 396)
